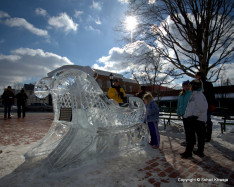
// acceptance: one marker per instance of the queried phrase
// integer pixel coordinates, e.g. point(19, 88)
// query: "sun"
point(131, 23)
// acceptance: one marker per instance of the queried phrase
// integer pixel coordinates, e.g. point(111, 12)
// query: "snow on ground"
point(116, 170)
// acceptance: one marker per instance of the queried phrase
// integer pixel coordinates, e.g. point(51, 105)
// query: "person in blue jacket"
point(152, 117)
point(183, 99)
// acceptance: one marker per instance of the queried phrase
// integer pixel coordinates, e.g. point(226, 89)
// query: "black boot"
point(186, 155)
point(200, 154)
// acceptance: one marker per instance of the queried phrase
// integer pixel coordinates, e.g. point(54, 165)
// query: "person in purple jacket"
point(152, 117)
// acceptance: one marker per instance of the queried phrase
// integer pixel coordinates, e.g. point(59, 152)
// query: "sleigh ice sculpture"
point(96, 125)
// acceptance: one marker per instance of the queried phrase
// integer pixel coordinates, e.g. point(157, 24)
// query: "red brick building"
point(130, 86)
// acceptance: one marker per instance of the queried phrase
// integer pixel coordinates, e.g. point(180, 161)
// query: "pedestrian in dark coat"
point(208, 91)
point(8, 100)
point(21, 102)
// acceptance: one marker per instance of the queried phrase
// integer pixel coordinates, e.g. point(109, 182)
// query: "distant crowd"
point(8, 99)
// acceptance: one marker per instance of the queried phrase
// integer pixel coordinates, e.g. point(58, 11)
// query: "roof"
point(28, 87)
point(130, 80)
point(107, 73)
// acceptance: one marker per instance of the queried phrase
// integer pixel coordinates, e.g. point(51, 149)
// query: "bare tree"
point(193, 35)
point(17, 85)
point(149, 69)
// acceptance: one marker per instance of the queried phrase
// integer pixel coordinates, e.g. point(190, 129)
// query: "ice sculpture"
point(98, 126)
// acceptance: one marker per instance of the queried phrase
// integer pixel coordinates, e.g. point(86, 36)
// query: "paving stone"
point(157, 170)
point(157, 184)
point(174, 175)
point(152, 180)
point(162, 174)
point(164, 181)
point(151, 161)
point(154, 164)
point(148, 168)
point(169, 170)
point(148, 174)
point(193, 169)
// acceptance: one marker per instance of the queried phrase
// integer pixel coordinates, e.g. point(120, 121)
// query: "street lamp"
point(111, 77)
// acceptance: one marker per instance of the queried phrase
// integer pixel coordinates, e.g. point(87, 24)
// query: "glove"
point(192, 118)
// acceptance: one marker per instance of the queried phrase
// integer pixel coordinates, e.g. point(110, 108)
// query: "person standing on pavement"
point(208, 91)
point(21, 102)
point(196, 116)
point(182, 104)
point(8, 100)
point(116, 92)
point(152, 118)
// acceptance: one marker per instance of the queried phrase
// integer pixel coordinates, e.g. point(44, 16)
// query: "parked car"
point(39, 107)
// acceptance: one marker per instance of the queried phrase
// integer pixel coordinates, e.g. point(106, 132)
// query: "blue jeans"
point(154, 133)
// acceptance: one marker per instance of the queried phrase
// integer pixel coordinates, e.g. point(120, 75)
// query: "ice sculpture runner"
point(98, 126)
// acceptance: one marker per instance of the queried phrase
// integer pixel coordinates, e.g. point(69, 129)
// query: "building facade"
point(32, 98)
point(130, 86)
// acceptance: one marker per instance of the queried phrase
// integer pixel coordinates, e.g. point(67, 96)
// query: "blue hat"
point(185, 83)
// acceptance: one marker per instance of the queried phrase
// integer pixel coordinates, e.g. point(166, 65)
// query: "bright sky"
point(38, 36)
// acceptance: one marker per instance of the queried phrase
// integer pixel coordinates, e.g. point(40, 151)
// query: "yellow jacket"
point(113, 94)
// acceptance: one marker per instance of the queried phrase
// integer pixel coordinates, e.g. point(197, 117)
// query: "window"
point(108, 84)
point(130, 88)
point(99, 82)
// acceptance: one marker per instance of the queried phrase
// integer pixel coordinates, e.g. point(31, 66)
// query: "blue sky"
point(38, 36)
point(66, 31)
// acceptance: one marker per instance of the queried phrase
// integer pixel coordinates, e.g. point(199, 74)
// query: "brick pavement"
point(166, 168)
point(24, 130)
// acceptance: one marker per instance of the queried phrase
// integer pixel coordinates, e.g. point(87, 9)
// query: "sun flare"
point(131, 22)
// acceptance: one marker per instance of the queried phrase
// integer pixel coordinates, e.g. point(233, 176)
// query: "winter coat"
point(114, 94)
point(208, 91)
point(182, 102)
point(8, 97)
point(197, 106)
point(21, 98)
point(152, 112)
